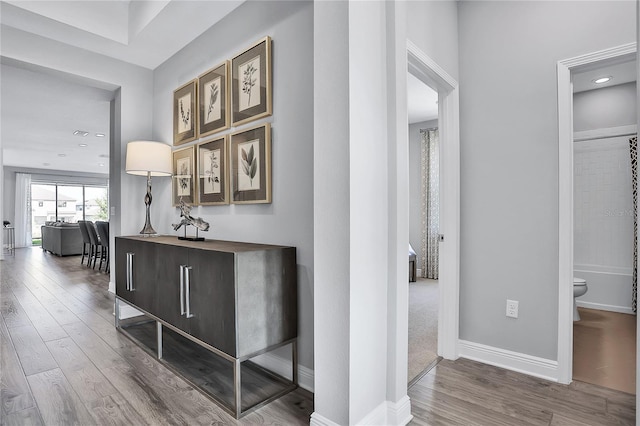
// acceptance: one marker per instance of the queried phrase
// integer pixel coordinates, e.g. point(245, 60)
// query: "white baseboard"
point(603, 307)
point(515, 361)
point(318, 420)
point(112, 287)
point(399, 413)
point(282, 366)
point(386, 414)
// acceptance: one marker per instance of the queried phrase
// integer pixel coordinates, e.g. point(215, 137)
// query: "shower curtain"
point(430, 165)
point(633, 147)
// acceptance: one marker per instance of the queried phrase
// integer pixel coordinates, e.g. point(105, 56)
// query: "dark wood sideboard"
point(209, 307)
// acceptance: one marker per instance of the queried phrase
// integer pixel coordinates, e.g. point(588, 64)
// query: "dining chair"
point(103, 233)
point(86, 242)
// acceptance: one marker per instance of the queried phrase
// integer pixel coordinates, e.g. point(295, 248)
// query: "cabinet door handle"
point(188, 290)
point(182, 272)
point(130, 271)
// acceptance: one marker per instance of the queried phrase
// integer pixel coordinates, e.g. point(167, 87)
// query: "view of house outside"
point(68, 206)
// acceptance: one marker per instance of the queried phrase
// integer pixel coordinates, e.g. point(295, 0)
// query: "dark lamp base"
point(191, 238)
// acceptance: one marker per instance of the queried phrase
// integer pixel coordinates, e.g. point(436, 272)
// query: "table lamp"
point(151, 159)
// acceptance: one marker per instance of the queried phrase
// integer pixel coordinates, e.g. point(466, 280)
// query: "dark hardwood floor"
point(62, 362)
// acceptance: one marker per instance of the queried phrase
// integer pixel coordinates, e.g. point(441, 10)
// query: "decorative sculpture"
point(187, 219)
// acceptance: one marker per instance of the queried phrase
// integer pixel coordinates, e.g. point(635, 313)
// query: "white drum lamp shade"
point(148, 158)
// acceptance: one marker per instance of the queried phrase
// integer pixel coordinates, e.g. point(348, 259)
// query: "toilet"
point(579, 289)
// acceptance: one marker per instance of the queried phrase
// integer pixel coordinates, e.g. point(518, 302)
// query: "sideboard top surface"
point(216, 245)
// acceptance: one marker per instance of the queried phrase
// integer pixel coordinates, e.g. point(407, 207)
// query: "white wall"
point(433, 27)
point(509, 159)
point(330, 189)
point(288, 220)
point(607, 107)
point(415, 184)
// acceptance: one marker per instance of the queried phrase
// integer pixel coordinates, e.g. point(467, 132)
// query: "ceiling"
point(422, 101)
point(40, 111)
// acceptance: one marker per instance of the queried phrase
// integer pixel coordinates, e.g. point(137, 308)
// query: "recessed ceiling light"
point(99, 135)
point(82, 145)
point(80, 133)
point(62, 155)
point(101, 164)
point(602, 80)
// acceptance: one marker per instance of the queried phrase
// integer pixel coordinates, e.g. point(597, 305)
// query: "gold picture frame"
point(213, 100)
point(250, 153)
point(251, 83)
point(185, 117)
point(213, 172)
point(184, 183)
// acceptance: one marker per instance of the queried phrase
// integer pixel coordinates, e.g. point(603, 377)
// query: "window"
point(66, 203)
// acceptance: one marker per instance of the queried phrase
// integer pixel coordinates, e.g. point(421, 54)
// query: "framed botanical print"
point(251, 83)
point(251, 165)
point(213, 100)
point(184, 113)
point(213, 182)
point(183, 185)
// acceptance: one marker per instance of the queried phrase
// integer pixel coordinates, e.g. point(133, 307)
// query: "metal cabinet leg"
point(116, 309)
point(294, 361)
point(159, 333)
point(237, 387)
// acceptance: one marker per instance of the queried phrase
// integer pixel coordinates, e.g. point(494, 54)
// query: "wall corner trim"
point(522, 363)
point(399, 413)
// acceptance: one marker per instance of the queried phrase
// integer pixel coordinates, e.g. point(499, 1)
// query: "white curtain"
point(23, 210)
point(430, 165)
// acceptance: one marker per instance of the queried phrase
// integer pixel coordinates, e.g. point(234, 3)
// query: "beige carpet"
point(604, 349)
point(423, 325)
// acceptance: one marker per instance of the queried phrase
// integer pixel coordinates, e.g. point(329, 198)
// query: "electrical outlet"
point(512, 308)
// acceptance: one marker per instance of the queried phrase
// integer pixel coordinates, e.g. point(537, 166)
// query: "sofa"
point(62, 239)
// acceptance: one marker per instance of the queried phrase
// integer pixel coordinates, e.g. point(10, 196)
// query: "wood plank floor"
point(62, 362)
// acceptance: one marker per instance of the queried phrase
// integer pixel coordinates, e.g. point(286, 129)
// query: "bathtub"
point(609, 288)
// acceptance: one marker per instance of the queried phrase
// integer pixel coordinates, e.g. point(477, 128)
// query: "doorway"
point(568, 71)
point(431, 74)
point(424, 215)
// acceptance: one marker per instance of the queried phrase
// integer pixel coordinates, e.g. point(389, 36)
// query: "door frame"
point(429, 72)
point(565, 194)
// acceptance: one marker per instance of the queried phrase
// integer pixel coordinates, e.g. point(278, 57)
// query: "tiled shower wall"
point(603, 220)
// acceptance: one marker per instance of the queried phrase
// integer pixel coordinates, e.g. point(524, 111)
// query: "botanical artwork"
point(184, 177)
point(213, 104)
point(185, 117)
point(249, 87)
point(210, 166)
point(249, 166)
